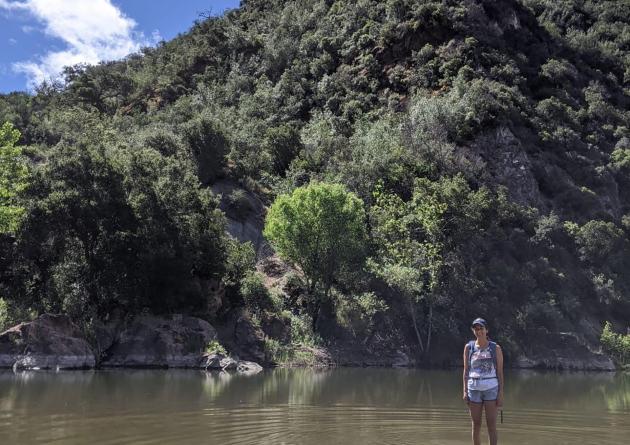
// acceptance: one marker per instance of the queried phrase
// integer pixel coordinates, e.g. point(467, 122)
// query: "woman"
point(483, 380)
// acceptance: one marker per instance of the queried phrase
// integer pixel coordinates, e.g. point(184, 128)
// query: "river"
point(304, 406)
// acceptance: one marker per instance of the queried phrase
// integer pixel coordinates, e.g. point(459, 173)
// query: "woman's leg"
point(475, 416)
point(491, 420)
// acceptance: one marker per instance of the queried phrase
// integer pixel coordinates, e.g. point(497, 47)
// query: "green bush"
point(620, 159)
point(597, 240)
point(11, 315)
point(255, 293)
point(214, 347)
point(559, 71)
point(5, 318)
point(283, 144)
point(617, 345)
point(238, 204)
point(208, 145)
point(13, 178)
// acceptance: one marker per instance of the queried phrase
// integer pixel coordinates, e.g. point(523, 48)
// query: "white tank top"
point(482, 374)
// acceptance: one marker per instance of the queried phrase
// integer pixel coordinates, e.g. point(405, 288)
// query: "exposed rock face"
point(510, 165)
point(151, 341)
point(563, 351)
point(249, 339)
point(49, 342)
point(245, 223)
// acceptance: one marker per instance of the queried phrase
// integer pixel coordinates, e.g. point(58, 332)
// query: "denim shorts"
point(483, 396)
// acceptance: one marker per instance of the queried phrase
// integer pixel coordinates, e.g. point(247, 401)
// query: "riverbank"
point(54, 342)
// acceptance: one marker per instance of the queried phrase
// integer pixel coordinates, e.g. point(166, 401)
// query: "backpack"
point(493, 352)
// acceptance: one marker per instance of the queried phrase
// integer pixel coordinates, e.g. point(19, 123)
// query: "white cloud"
point(156, 37)
point(93, 31)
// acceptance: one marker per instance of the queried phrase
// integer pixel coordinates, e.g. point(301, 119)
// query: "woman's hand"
point(500, 400)
point(465, 397)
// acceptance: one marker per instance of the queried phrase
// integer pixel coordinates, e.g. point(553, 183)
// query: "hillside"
point(512, 117)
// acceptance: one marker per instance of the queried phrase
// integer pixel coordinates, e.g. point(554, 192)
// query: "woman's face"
point(479, 331)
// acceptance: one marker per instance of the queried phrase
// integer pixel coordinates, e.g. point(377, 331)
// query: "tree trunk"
point(429, 329)
point(412, 312)
point(318, 306)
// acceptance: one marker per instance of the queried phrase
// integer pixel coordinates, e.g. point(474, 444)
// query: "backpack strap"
point(493, 354)
point(471, 349)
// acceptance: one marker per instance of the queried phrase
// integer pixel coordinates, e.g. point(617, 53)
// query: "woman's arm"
point(465, 376)
point(500, 375)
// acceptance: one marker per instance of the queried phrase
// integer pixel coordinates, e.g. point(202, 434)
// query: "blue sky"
point(39, 37)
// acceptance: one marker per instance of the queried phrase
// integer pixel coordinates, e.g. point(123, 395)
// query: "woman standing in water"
point(483, 380)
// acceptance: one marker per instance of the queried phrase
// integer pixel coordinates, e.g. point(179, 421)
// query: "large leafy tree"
point(117, 229)
point(13, 178)
point(408, 237)
point(320, 228)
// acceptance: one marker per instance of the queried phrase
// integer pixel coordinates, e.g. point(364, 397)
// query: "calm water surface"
point(323, 407)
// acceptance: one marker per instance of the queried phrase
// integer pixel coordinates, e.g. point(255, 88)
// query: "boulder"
point(228, 364)
point(249, 339)
point(212, 361)
point(48, 342)
point(245, 367)
point(149, 341)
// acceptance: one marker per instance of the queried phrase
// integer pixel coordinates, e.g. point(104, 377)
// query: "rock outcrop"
point(149, 341)
point(54, 342)
point(48, 342)
point(509, 164)
point(244, 212)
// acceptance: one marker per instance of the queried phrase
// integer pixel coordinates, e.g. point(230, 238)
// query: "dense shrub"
point(254, 292)
point(597, 240)
point(208, 145)
point(358, 313)
point(617, 345)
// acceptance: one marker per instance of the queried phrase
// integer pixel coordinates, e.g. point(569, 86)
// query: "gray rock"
point(228, 364)
point(151, 341)
point(48, 342)
point(243, 227)
point(507, 161)
point(246, 367)
point(224, 363)
point(212, 361)
point(249, 339)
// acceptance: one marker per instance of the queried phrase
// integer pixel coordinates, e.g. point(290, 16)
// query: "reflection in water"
point(303, 406)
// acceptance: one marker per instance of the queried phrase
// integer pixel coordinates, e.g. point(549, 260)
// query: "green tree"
point(110, 230)
point(408, 237)
point(13, 178)
point(320, 228)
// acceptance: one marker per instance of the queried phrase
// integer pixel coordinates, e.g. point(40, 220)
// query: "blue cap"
point(479, 321)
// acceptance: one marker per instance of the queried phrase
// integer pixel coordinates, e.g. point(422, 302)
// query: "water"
point(302, 406)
